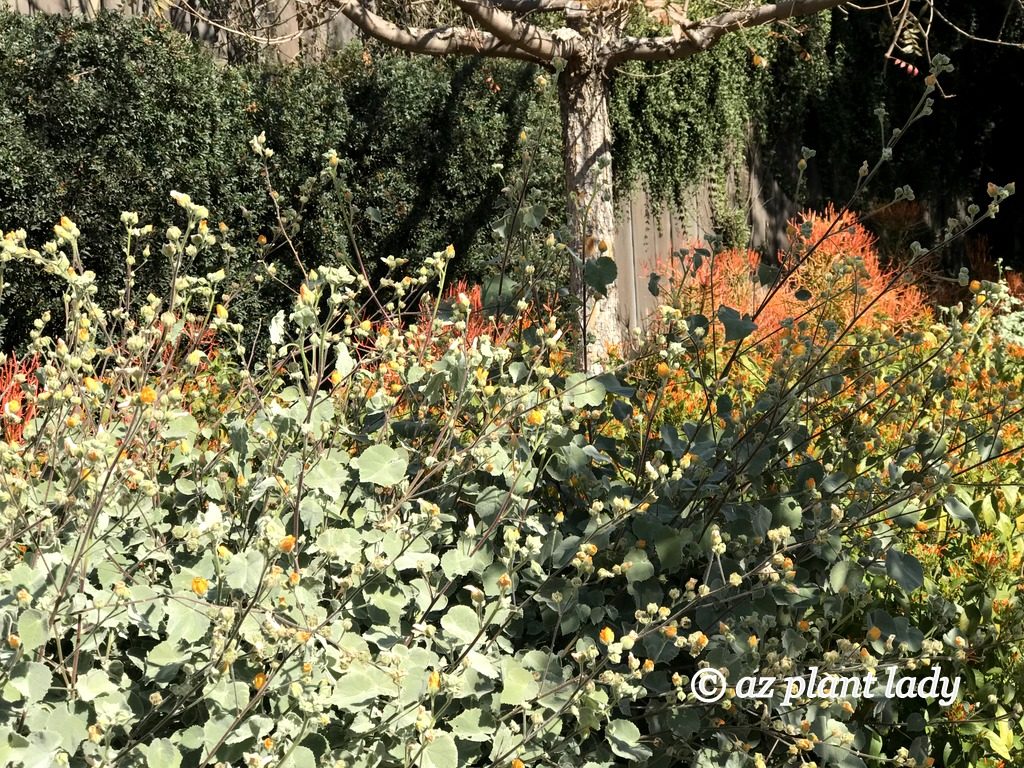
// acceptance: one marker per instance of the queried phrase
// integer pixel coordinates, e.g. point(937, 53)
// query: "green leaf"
point(276, 329)
point(382, 465)
point(518, 683)
point(32, 629)
point(161, 753)
point(181, 427)
point(185, 621)
point(245, 571)
point(845, 576)
point(300, 757)
point(462, 623)
point(41, 750)
point(736, 328)
point(584, 391)
point(640, 568)
point(961, 512)
point(72, 727)
point(767, 274)
point(361, 684)
point(344, 544)
point(440, 753)
point(599, 273)
point(327, 476)
point(533, 216)
point(473, 725)
point(164, 660)
point(624, 739)
point(93, 684)
point(32, 680)
point(654, 284)
point(904, 569)
point(344, 363)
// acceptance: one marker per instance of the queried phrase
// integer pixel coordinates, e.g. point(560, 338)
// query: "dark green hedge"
point(113, 114)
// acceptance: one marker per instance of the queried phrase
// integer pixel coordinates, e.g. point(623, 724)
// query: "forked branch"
point(436, 41)
point(701, 35)
point(514, 32)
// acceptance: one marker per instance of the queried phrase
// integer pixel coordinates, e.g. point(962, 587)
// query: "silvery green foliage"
point(401, 544)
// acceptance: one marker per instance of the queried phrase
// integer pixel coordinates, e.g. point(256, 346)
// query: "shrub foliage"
point(114, 113)
point(425, 540)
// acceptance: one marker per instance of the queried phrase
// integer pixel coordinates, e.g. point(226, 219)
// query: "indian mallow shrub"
point(391, 544)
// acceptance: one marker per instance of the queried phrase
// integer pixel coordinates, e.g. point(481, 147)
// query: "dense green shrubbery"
point(427, 541)
point(115, 113)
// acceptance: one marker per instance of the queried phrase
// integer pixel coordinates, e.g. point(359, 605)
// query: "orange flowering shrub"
point(16, 379)
point(831, 272)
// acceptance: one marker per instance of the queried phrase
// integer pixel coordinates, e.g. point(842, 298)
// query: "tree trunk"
point(587, 140)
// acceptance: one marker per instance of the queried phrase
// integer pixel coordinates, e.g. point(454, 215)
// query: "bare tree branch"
point(512, 31)
point(542, 6)
point(701, 35)
point(968, 35)
point(438, 41)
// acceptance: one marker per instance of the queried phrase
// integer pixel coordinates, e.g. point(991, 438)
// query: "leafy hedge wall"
point(114, 114)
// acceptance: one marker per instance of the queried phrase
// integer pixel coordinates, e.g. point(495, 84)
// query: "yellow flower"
point(147, 396)
point(259, 681)
point(306, 667)
point(14, 406)
point(223, 552)
point(752, 641)
point(14, 641)
point(268, 743)
point(975, 286)
point(648, 665)
point(200, 586)
point(221, 311)
point(504, 581)
point(434, 681)
point(606, 636)
point(302, 636)
point(92, 385)
point(517, 763)
point(535, 418)
point(287, 544)
point(664, 371)
point(874, 633)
